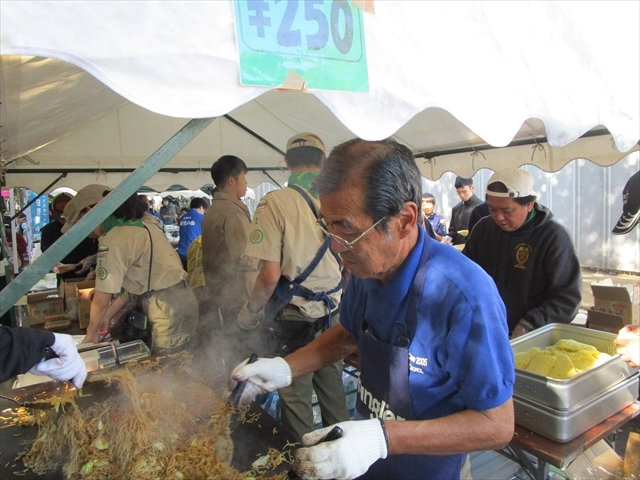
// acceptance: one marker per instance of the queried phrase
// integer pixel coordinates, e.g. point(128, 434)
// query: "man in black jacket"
point(529, 255)
point(460, 213)
point(22, 350)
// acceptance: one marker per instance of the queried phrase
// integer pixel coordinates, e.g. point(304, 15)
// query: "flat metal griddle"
point(250, 440)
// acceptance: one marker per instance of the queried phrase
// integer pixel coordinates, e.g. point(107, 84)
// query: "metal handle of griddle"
point(334, 434)
point(236, 393)
point(49, 354)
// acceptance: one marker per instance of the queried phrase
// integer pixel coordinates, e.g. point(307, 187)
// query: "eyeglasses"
point(341, 241)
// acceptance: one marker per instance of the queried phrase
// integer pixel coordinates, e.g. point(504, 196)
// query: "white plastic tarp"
point(100, 85)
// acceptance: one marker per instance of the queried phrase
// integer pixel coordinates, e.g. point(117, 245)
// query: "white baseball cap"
point(518, 182)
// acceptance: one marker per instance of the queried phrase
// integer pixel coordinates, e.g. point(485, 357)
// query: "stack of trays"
point(563, 409)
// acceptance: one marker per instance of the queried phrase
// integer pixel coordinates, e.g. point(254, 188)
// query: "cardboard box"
point(71, 287)
point(41, 304)
point(84, 292)
point(605, 322)
point(614, 307)
point(600, 461)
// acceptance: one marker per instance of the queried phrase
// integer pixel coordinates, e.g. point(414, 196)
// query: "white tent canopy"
point(94, 88)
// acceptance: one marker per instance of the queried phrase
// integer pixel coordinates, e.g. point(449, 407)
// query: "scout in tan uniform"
point(286, 237)
point(124, 258)
point(225, 233)
point(228, 276)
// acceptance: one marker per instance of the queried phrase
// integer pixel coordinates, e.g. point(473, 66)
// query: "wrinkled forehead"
point(343, 205)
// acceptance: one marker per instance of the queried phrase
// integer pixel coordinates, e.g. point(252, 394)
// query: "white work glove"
point(628, 344)
point(263, 376)
point(248, 320)
point(362, 443)
point(69, 366)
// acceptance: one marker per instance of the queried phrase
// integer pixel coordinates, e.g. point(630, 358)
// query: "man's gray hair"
point(385, 170)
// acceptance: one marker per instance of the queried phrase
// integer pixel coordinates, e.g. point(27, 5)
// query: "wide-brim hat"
point(86, 197)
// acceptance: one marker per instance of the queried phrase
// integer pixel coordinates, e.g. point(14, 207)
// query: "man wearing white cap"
point(529, 255)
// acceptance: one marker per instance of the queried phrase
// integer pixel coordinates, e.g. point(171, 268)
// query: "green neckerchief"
point(304, 179)
point(532, 214)
point(112, 222)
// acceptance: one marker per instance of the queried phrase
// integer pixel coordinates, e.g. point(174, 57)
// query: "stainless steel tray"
point(568, 394)
point(126, 352)
point(563, 426)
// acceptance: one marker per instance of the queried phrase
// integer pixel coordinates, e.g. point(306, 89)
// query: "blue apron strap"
point(417, 287)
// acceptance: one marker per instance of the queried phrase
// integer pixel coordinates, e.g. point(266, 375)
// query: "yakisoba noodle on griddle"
point(150, 429)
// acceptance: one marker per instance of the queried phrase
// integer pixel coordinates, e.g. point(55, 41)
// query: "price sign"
point(322, 40)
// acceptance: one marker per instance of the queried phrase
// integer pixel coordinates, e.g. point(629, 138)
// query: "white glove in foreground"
point(362, 443)
point(264, 375)
point(68, 366)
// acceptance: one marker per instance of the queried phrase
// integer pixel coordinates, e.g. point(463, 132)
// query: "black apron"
point(384, 386)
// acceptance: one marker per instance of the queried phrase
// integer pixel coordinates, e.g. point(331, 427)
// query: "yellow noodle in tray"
point(564, 360)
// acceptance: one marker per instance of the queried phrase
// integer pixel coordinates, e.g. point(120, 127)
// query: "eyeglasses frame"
point(341, 241)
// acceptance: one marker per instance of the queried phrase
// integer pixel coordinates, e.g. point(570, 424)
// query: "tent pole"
point(515, 143)
point(272, 179)
point(130, 185)
point(251, 132)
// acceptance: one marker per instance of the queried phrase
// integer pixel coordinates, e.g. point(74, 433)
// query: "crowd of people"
point(350, 258)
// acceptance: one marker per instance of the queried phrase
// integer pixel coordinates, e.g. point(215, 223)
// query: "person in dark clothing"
point(168, 212)
point(83, 256)
point(480, 211)
point(21, 244)
point(22, 350)
point(461, 212)
point(529, 255)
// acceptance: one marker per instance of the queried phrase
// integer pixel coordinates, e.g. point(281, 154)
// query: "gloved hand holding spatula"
point(262, 376)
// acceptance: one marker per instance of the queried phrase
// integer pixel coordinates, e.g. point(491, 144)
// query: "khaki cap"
point(306, 139)
point(86, 197)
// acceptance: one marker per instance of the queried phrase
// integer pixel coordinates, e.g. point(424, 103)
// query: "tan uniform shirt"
point(225, 233)
point(151, 220)
point(123, 261)
point(284, 230)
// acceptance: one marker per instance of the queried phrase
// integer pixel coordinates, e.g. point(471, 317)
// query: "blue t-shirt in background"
point(190, 229)
point(460, 356)
point(437, 223)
